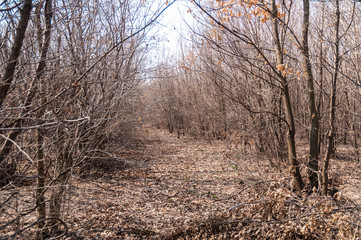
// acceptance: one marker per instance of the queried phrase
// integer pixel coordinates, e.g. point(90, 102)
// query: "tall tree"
point(44, 37)
point(7, 170)
point(291, 144)
point(331, 132)
point(314, 117)
point(15, 50)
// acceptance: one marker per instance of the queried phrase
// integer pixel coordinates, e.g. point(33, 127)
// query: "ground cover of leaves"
point(182, 188)
point(181, 180)
point(182, 184)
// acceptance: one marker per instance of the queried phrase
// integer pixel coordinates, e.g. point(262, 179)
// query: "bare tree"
point(7, 79)
point(314, 117)
point(15, 50)
point(331, 132)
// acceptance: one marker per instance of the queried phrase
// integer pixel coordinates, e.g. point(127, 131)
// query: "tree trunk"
point(15, 50)
point(330, 137)
point(63, 164)
point(321, 75)
point(6, 83)
point(307, 69)
point(43, 48)
point(291, 145)
point(40, 199)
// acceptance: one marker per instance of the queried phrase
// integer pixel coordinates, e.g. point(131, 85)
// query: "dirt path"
point(176, 182)
point(162, 184)
point(181, 181)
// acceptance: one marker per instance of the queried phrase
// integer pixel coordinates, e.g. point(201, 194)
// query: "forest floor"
point(174, 182)
point(163, 186)
point(171, 183)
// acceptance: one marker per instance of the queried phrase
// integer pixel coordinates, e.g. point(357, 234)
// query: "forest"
point(250, 130)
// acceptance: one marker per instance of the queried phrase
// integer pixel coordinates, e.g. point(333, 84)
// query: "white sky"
point(173, 26)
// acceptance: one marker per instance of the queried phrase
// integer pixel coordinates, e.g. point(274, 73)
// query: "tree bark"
point(314, 118)
point(321, 74)
point(6, 81)
point(351, 110)
point(291, 145)
point(15, 50)
point(44, 46)
point(330, 137)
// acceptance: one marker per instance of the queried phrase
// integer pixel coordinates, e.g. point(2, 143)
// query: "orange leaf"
point(281, 67)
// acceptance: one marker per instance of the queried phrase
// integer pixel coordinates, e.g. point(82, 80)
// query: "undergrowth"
point(276, 212)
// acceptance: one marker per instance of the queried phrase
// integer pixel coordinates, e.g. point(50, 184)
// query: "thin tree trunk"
point(307, 69)
point(353, 127)
point(330, 137)
point(15, 50)
point(40, 199)
point(6, 83)
point(291, 145)
point(321, 75)
point(44, 46)
point(64, 162)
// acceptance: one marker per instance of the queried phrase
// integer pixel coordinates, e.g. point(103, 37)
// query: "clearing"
point(176, 182)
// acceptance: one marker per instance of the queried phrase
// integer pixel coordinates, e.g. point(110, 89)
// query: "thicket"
point(70, 93)
point(278, 77)
point(248, 77)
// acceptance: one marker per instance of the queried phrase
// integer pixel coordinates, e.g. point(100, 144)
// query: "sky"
point(173, 26)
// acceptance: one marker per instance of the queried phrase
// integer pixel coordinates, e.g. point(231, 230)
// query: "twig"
point(45, 125)
point(18, 147)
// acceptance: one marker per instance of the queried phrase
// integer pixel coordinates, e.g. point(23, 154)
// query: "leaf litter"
point(182, 188)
